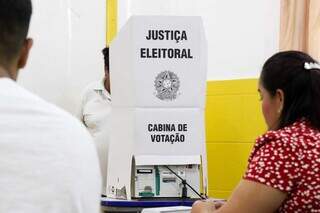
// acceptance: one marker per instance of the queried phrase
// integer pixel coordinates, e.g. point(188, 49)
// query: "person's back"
point(48, 162)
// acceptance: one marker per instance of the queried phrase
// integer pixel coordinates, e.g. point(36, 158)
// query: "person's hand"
point(203, 206)
point(206, 206)
point(217, 203)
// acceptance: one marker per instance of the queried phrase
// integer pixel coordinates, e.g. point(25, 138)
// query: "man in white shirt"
point(95, 112)
point(47, 160)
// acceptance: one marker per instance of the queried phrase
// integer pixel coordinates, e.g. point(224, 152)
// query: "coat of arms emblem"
point(167, 85)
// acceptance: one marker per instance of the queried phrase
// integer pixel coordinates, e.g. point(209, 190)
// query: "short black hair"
point(105, 53)
point(15, 18)
point(301, 87)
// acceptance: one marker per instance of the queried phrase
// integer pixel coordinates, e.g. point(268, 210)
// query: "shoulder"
point(290, 137)
point(278, 158)
point(91, 87)
point(90, 90)
point(32, 125)
point(42, 114)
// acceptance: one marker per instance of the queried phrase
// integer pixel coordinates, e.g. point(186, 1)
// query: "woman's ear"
point(280, 100)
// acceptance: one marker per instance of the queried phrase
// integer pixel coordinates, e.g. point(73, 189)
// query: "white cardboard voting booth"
point(158, 83)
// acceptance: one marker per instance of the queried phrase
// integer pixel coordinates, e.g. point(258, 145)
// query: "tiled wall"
point(233, 121)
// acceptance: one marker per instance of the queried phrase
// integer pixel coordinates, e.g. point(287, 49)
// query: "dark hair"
point(301, 86)
point(14, 25)
point(105, 53)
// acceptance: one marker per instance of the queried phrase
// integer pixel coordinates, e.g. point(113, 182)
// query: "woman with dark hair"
point(283, 174)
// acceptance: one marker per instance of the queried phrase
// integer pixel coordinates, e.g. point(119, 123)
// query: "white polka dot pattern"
point(289, 160)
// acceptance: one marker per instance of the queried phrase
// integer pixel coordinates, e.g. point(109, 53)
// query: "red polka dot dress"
point(289, 160)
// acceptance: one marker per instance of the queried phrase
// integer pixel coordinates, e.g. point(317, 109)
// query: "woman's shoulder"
point(298, 135)
point(282, 158)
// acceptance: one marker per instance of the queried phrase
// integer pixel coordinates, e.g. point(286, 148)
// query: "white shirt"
point(95, 107)
point(47, 160)
point(95, 112)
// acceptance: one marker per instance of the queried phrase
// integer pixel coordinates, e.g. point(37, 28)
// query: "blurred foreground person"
point(48, 162)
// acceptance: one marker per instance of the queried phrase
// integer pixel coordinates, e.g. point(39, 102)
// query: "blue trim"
point(147, 204)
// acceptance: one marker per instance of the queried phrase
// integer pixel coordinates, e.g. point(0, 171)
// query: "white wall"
point(68, 38)
point(241, 34)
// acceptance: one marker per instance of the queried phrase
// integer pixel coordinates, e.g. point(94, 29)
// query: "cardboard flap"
point(148, 160)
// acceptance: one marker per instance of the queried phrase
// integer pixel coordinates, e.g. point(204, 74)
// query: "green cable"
point(157, 174)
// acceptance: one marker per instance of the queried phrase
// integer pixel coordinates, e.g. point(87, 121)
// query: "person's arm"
point(248, 197)
point(272, 173)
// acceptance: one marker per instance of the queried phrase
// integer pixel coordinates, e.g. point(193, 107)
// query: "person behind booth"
point(95, 112)
point(283, 174)
point(47, 160)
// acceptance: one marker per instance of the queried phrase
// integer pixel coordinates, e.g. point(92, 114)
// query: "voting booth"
point(158, 82)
